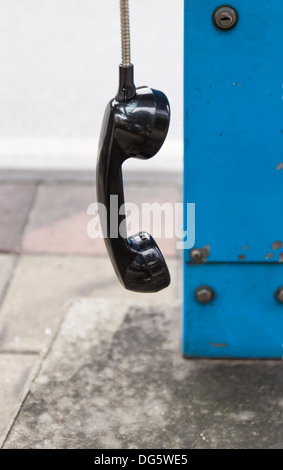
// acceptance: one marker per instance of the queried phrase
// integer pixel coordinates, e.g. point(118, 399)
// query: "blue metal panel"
point(233, 172)
point(244, 320)
point(234, 129)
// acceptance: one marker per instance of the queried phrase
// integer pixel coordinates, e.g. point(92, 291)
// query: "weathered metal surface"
point(233, 173)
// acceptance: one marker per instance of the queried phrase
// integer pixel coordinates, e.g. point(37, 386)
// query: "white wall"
point(59, 67)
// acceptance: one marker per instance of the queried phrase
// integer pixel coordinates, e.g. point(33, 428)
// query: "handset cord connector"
point(127, 89)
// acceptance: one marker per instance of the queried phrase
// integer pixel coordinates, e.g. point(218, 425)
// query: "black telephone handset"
point(135, 125)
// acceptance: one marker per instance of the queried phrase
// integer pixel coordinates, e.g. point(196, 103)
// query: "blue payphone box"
point(233, 172)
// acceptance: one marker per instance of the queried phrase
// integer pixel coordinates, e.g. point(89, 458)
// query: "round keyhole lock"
point(225, 17)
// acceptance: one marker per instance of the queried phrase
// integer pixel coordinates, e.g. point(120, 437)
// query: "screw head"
point(225, 17)
point(279, 295)
point(196, 254)
point(204, 294)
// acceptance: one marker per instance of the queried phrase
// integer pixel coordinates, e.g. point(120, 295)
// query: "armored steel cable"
point(125, 33)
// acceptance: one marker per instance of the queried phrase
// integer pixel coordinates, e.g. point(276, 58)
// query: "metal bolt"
point(279, 295)
point(204, 294)
point(225, 17)
point(196, 254)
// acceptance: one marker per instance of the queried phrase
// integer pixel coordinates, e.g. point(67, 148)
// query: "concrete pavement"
point(86, 364)
point(115, 378)
point(47, 259)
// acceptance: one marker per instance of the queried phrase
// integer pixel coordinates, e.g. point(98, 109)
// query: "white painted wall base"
point(71, 153)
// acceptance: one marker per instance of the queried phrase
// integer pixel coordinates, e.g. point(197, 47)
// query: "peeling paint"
point(242, 257)
point(206, 252)
point(246, 247)
point(279, 167)
point(281, 258)
point(269, 255)
point(277, 245)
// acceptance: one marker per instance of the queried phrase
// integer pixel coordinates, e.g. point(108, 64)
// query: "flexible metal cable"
point(125, 33)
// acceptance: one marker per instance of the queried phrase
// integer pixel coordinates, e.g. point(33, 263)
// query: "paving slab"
point(115, 378)
point(14, 372)
point(6, 268)
point(59, 220)
point(42, 285)
point(15, 203)
point(58, 223)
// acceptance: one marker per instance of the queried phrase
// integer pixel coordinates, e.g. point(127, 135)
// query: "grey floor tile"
point(42, 285)
point(14, 372)
point(6, 268)
point(15, 203)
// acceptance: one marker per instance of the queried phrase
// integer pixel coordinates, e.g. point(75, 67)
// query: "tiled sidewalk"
point(47, 259)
